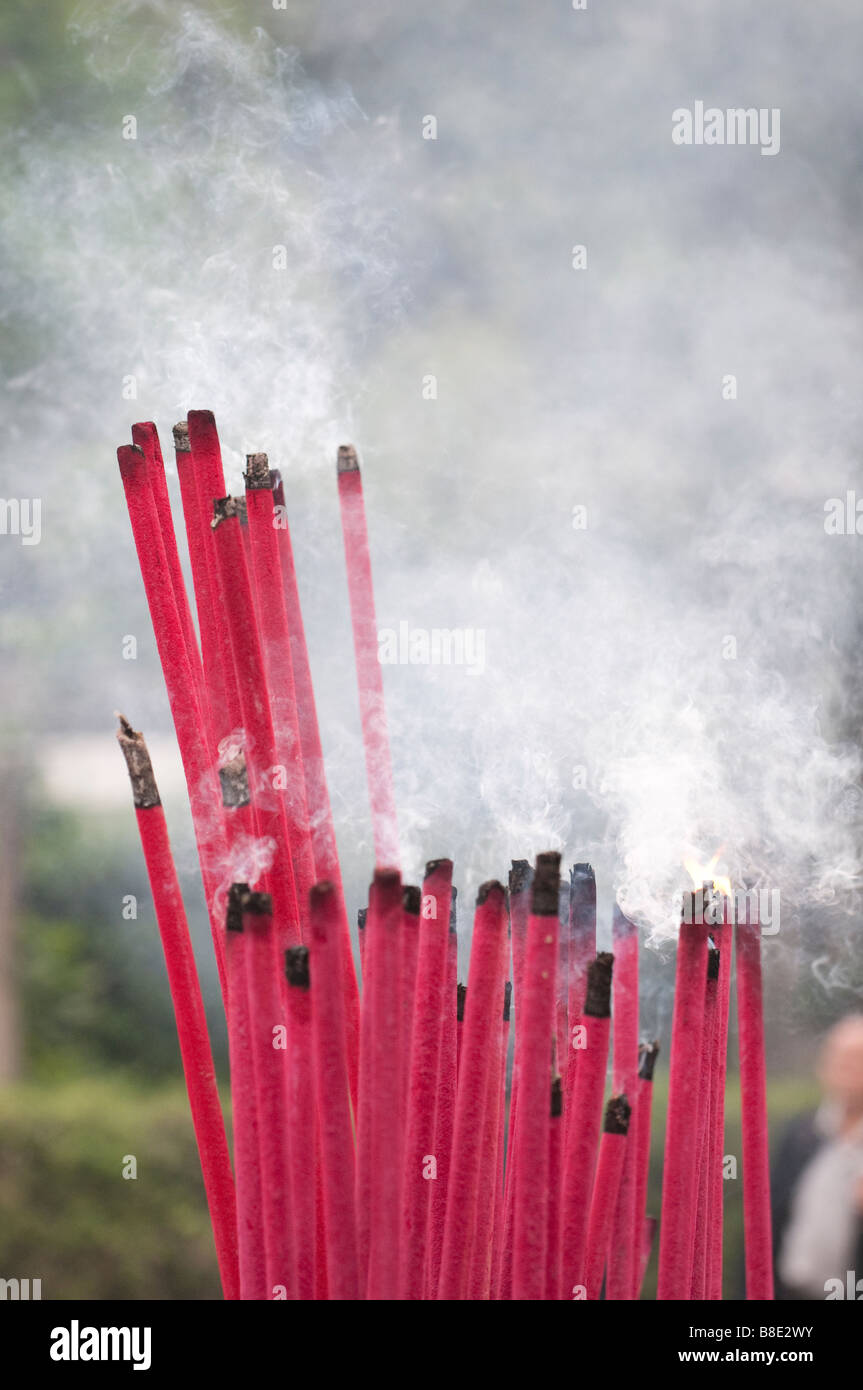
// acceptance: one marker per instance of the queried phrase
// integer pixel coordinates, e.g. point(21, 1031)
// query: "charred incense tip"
point(411, 899)
point(702, 907)
point(647, 1055)
point(597, 1000)
point(453, 912)
point(297, 966)
point(520, 876)
point(434, 865)
point(257, 474)
point(237, 894)
point(362, 917)
point(202, 417)
point(347, 461)
point(581, 874)
point(460, 996)
point(181, 438)
point(323, 889)
point(486, 890)
point(223, 508)
point(129, 457)
point(713, 963)
point(507, 1001)
point(235, 783)
point(621, 925)
point(556, 1098)
point(145, 793)
point(617, 1113)
point(258, 905)
point(387, 878)
point(546, 882)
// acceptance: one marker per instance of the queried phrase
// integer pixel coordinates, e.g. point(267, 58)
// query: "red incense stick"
point(676, 1232)
point(647, 1054)
point(582, 950)
point(188, 1007)
point(189, 722)
point(555, 1158)
point(333, 1093)
point(235, 591)
point(146, 436)
point(624, 1244)
point(250, 1217)
point(420, 1165)
point(271, 1095)
point(520, 876)
point(379, 1105)
point(530, 1155)
point(301, 1114)
point(276, 651)
point(609, 1172)
point(445, 1101)
point(757, 1228)
point(408, 955)
point(581, 1136)
point(369, 677)
point(487, 966)
point(490, 1288)
point(199, 539)
point(481, 1248)
point(500, 1160)
point(722, 936)
point(320, 814)
point(701, 1235)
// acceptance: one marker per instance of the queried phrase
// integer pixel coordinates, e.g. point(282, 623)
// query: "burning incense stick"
point(423, 1073)
point(753, 1090)
point(701, 1233)
point(370, 680)
point(301, 1109)
point(250, 1216)
point(263, 976)
point(179, 680)
point(320, 815)
point(332, 1092)
point(555, 1156)
point(722, 936)
point(188, 1006)
point(609, 1171)
point(647, 1054)
point(623, 1247)
point(582, 1135)
point(679, 1188)
point(487, 966)
point(371, 1151)
point(380, 1142)
point(531, 1144)
point(445, 1103)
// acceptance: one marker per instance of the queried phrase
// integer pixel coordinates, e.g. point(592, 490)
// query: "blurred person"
point(818, 1180)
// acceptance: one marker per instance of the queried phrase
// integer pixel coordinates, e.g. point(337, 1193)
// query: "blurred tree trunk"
point(10, 845)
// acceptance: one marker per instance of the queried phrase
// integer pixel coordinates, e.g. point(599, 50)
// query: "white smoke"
point(677, 677)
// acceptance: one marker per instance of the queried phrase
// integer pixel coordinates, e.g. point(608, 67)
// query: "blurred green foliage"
point(93, 988)
point(786, 1098)
point(70, 1218)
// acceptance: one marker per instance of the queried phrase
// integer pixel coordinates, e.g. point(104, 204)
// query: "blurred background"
point(331, 221)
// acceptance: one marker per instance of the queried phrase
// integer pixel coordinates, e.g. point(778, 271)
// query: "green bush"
point(70, 1218)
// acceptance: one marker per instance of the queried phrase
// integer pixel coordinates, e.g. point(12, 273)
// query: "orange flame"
point(703, 873)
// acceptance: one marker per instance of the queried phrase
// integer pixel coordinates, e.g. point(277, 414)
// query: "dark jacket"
point(798, 1146)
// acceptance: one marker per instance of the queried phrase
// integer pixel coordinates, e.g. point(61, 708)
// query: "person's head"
point(840, 1064)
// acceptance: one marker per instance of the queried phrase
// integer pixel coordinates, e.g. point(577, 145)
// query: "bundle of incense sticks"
point(377, 1153)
